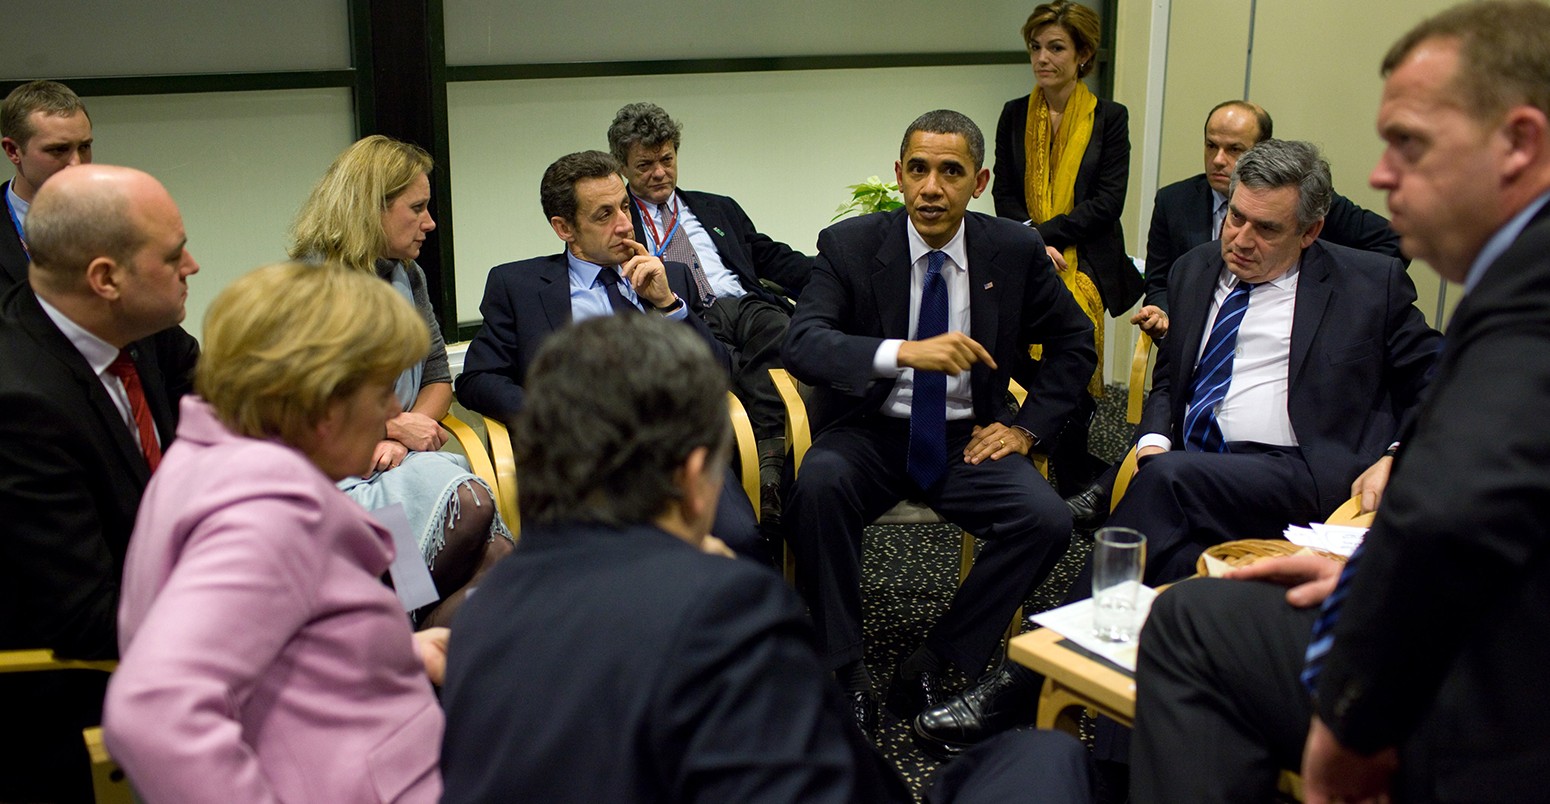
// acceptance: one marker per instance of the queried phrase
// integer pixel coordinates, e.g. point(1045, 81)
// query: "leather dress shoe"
point(909, 695)
point(1001, 700)
point(1089, 507)
point(863, 710)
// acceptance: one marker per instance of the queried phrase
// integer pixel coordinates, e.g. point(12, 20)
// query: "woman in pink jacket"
point(263, 658)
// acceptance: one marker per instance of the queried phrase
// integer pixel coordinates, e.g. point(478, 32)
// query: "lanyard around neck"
point(656, 235)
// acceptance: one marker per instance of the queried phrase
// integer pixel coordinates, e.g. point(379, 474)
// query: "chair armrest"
point(1350, 513)
point(1140, 372)
point(747, 450)
point(799, 434)
point(505, 474)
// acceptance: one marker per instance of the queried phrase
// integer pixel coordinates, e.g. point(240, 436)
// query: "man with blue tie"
point(602, 271)
point(1278, 394)
point(909, 330)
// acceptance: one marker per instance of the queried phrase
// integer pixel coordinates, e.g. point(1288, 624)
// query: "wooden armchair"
point(109, 784)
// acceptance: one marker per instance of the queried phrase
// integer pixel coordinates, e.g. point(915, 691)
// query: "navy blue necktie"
point(928, 405)
point(1213, 374)
point(608, 277)
point(1324, 626)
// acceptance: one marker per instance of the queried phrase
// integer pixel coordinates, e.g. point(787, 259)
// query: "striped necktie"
point(1213, 374)
point(1324, 626)
point(123, 367)
point(679, 249)
point(928, 402)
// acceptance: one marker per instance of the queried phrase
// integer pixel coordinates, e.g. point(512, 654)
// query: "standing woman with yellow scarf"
point(1062, 165)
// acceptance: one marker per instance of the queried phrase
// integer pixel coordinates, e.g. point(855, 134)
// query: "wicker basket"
point(1244, 552)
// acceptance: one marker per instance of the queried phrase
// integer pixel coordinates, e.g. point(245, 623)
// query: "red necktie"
point(124, 369)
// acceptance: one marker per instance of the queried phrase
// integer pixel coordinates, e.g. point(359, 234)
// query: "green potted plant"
point(872, 195)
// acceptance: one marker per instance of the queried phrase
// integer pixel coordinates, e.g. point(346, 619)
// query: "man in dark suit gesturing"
point(711, 691)
point(601, 272)
point(727, 257)
point(94, 365)
point(1424, 664)
point(909, 329)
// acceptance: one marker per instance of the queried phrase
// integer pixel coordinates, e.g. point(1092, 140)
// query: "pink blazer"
point(263, 659)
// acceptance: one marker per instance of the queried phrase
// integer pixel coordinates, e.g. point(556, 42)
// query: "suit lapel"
point(1313, 294)
point(1193, 306)
point(109, 421)
point(1200, 218)
point(554, 292)
point(715, 226)
point(984, 312)
point(891, 280)
point(13, 258)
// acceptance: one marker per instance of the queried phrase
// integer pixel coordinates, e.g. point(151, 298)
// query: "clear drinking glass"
point(1119, 557)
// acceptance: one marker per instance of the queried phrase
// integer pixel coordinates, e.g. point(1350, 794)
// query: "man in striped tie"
point(1289, 367)
point(1418, 664)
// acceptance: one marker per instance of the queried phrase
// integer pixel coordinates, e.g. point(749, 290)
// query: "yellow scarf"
point(1049, 187)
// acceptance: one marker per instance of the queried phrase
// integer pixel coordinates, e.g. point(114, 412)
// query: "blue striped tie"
point(928, 405)
point(1213, 374)
point(1324, 626)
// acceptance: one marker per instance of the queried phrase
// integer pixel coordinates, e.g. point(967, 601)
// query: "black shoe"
point(1004, 698)
point(769, 505)
point(863, 710)
point(1089, 507)
point(909, 695)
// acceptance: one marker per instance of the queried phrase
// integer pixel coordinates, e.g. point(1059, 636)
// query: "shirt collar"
point(583, 273)
point(956, 248)
point(1286, 281)
point(1217, 200)
point(18, 206)
point(98, 352)
point(650, 208)
point(1501, 240)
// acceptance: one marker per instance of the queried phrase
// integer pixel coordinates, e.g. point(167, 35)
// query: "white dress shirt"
point(99, 354)
point(885, 363)
point(1255, 408)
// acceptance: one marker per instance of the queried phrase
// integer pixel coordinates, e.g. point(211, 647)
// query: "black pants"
point(854, 473)
point(1219, 708)
point(752, 330)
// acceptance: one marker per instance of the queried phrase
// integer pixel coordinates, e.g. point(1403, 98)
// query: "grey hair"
point(946, 121)
point(644, 124)
point(1288, 163)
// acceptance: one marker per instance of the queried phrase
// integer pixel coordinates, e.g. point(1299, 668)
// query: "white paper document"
point(411, 578)
point(1338, 539)
point(1075, 622)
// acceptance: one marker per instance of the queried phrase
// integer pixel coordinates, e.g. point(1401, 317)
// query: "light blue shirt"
point(589, 299)
point(1499, 242)
point(723, 282)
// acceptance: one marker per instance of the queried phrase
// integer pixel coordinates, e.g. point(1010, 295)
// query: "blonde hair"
point(285, 340)
point(341, 220)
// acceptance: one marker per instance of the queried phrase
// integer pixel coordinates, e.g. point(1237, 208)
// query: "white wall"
point(238, 164)
point(784, 144)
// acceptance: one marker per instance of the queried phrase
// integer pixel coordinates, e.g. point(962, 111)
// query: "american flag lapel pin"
point(989, 285)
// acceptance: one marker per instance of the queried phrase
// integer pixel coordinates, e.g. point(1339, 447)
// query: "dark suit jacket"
point(1181, 220)
point(1360, 356)
point(1093, 223)
point(1439, 647)
point(744, 251)
point(72, 477)
point(523, 303)
point(709, 690)
point(860, 295)
point(13, 258)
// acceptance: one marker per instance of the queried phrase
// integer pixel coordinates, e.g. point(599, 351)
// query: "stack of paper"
point(1338, 539)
